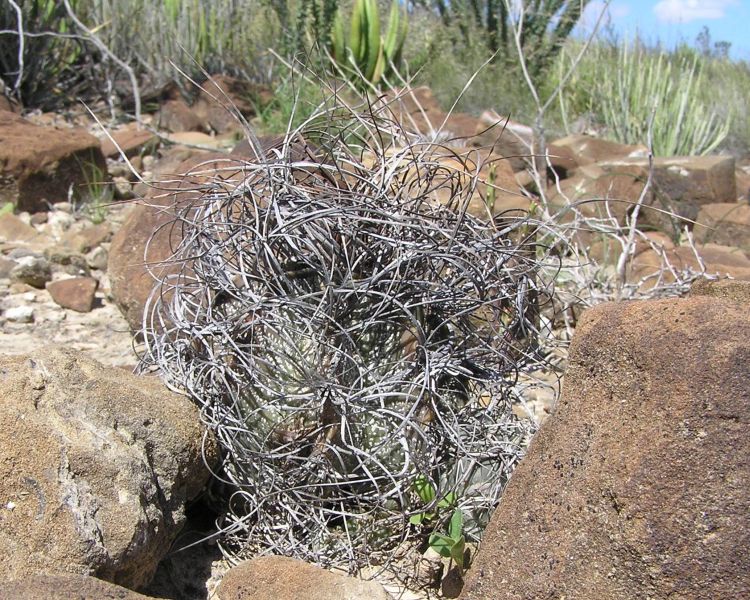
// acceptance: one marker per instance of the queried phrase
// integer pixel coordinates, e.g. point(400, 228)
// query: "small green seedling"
point(426, 492)
point(6, 208)
point(452, 545)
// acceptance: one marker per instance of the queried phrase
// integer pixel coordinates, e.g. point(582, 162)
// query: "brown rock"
point(737, 291)
point(85, 240)
point(96, 465)
point(718, 260)
point(131, 141)
point(598, 193)
point(40, 164)
point(75, 293)
point(176, 115)
point(588, 150)
point(13, 229)
point(136, 261)
point(282, 578)
point(197, 138)
point(221, 95)
point(637, 486)
point(724, 223)
point(65, 587)
point(6, 266)
point(742, 177)
point(682, 184)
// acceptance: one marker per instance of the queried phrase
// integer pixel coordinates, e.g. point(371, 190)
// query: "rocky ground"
point(59, 286)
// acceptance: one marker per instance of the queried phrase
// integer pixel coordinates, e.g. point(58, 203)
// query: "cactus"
point(368, 55)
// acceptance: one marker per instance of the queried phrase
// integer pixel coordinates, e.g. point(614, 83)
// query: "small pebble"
point(38, 218)
point(20, 314)
point(97, 259)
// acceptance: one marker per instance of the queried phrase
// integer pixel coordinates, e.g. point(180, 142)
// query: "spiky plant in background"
point(353, 337)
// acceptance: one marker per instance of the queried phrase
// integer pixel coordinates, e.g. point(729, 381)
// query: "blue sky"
point(674, 20)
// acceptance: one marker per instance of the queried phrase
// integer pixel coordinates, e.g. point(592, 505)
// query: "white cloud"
point(614, 11)
point(684, 11)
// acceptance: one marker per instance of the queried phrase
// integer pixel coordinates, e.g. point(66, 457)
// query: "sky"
point(672, 21)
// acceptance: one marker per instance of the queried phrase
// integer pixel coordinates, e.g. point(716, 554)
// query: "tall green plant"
point(367, 55)
point(621, 85)
point(48, 52)
point(545, 26)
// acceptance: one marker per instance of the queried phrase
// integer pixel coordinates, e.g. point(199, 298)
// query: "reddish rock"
point(724, 223)
point(66, 587)
point(38, 165)
point(86, 239)
point(282, 578)
point(637, 487)
point(221, 95)
point(75, 293)
point(416, 100)
point(588, 150)
point(718, 260)
point(141, 249)
point(131, 141)
point(682, 184)
point(176, 115)
point(13, 229)
point(599, 193)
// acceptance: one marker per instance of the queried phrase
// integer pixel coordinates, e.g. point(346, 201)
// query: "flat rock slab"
point(682, 184)
point(66, 587)
point(638, 486)
point(96, 466)
point(40, 164)
point(75, 293)
point(131, 141)
point(588, 149)
point(282, 578)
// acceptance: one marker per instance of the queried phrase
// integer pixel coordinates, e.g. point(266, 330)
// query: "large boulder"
point(638, 486)
point(65, 587)
point(589, 150)
point(282, 578)
point(96, 466)
point(140, 253)
point(682, 184)
point(38, 165)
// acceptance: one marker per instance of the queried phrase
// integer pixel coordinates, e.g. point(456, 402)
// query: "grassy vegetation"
point(700, 94)
point(696, 98)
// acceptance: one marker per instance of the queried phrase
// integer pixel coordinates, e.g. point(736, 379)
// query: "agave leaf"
point(338, 41)
point(373, 43)
point(356, 28)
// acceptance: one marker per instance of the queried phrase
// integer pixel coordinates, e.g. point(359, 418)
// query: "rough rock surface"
point(39, 164)
point(96, 465)
point(65, 587)
point(281, 578)
point(637, 488)
point(75, 293)
point(682, 184)
point(724, 223)
point(135, 259)
point(718, 260)
point(588, 150)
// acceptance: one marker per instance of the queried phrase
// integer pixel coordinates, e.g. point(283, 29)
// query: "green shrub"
point(619, 86)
